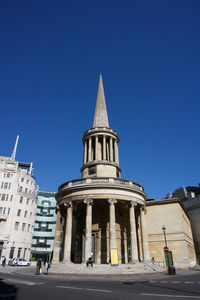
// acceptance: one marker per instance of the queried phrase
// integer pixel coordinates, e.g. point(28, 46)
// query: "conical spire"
point(100, 115)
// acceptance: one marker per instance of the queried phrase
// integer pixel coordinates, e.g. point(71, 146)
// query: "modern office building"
point(18, 200)
point(45, 224)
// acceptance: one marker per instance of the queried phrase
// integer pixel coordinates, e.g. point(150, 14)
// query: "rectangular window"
point(23, 226)
point(11, 197)
point(4, 210)
point(9, 185)
point(27, 201)
point(25, 214)
point(1, 210)
point(4, 175)
point(2, 184)
point(7, 197)
point(16, 225)
point(20, 189)
point(19, 212)
point(3, 197)
point(21, 200)
point(30, 214)
point(27, 181)
point(8, 210)
point(26, 190)
point(8, 175)
point(19, 252)
point(5, 185)
point(12, 249)
point(28, 227)
point(22, 179)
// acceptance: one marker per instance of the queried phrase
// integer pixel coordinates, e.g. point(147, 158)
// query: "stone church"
point(101, 212)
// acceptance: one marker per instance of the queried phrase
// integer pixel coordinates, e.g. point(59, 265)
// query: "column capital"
point(68, 204)
point(112, 201)
point(143, 208)
point(88, 201)
point(132, 203)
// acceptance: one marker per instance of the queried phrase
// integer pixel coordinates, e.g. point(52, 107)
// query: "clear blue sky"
point(51, 54)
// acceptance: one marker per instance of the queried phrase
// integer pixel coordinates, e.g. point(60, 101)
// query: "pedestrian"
point(47, 266)
point(4, 262)
point(89, 262)
point(153, 260)
point(38, 267)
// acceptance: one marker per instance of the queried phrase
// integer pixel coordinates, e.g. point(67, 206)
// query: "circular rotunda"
point(101, 211)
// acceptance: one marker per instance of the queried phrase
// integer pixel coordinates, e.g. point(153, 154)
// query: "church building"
point(101, 212)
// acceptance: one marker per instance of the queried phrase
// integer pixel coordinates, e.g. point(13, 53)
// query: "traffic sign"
point(166, 249)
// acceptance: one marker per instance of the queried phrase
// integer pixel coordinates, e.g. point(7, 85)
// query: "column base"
point(67, 262)
point(55, 262)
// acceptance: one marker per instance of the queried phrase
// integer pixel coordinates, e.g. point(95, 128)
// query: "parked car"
point(19, 262)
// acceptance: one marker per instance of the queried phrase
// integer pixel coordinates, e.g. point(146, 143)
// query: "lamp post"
point(164, 232)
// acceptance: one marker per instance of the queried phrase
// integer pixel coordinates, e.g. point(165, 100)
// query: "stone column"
point(104, 147)
point(96, 147)
point(56, 250)
point(111, 149)
point(88, 228)
point(116, 152)
point(68, 234)
point(145, 244)
point(90, 149)
point(85, 152)
point(133, 233)
point(113, 240)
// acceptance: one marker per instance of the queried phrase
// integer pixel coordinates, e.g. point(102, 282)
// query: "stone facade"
point(171, 214)
point(18, 201)
point(101, 211)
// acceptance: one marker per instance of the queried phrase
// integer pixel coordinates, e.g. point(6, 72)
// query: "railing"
point(101, 180)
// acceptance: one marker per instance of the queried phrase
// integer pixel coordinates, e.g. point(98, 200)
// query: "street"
point(21, 287)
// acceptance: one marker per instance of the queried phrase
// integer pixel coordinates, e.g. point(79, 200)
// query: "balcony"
point(3, 217)
point(100, 181)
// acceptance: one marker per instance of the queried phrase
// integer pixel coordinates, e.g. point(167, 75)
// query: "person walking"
point(4, 262)
point(47, 266)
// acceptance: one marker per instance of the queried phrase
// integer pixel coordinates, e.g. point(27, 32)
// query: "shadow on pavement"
point(7, 291)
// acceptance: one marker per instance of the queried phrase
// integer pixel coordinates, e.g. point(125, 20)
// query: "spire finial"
point(15, 149)
point(100, 115)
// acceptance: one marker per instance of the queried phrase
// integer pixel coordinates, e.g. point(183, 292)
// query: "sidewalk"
point(98, 272)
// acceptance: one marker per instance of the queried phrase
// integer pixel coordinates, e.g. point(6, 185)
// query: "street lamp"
point(164, 232)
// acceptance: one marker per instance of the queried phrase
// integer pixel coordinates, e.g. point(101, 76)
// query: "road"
point(29, 287)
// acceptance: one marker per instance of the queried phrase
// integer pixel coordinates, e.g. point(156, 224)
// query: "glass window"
point(7, 197)
point(5, 185)
point(28, 227)
point(1, 210)
point(9, 185)
point(25, 214)
point(19, 212)
point(26, 190)
point(19, 252)
point(27, 181)
point(11, 197)
point(8, 175)
point(20, 189)
point(16, 225)
point(11, 252)
point(2, 184)
point(3, 197)
point(23, 226)
point(8, 210)
point(21, 200)
point(27, 201)
point(4, 175)
point(22, 179)
point(4, 210)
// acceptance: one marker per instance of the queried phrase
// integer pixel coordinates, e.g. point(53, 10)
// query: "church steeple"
point(101, 158)
point(100, 115)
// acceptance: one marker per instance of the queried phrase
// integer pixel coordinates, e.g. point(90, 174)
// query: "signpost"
point(166, 249)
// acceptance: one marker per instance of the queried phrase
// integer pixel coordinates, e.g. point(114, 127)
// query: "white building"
point(18, 203)
point(45, 225)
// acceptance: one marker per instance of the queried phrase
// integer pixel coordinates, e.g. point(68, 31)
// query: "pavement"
point(101, 272)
